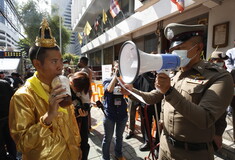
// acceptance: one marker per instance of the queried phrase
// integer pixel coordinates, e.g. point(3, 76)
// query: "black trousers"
point(83, 126)
point(146, 127)
point(6, 142)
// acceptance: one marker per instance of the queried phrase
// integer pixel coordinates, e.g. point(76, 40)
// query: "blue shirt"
point(114, 112)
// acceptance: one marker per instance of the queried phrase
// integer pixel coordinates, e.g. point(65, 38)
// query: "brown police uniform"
point(198, 99)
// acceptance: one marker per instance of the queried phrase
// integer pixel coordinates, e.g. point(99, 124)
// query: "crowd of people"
point(188, 108)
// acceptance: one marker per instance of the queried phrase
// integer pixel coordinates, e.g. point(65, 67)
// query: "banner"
point(106, 71)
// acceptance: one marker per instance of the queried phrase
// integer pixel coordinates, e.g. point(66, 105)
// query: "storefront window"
point(95, 58)
point(150, 43)
point(108, 55)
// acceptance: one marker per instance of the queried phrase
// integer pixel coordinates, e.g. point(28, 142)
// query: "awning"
point(8, 64)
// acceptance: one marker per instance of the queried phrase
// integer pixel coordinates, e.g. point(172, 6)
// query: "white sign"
point(106, 71)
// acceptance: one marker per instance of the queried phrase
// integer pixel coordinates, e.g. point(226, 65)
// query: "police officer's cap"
point(179, 33)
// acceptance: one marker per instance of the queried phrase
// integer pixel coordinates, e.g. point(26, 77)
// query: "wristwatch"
point(169, 91)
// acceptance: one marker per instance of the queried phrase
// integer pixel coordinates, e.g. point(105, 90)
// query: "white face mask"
point(66, 65)
point(184, 60)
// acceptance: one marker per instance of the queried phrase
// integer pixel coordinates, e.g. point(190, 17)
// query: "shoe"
point(129, 135)
point(145, 147)
point(156, 153)
point(120, 158)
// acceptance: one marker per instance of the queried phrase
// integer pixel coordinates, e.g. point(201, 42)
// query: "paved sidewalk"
point(130, 147)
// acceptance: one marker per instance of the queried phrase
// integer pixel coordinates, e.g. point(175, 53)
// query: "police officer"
point(218, 58)
point(193, 100)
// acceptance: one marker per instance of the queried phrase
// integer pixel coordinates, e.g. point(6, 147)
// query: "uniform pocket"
point(193, 92)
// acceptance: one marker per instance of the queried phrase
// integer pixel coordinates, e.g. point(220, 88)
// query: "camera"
point(83, 106)
point(99, 104)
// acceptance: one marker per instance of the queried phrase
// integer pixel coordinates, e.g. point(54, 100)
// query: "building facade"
point(9, 26)
point(64, 10)
point(143, 22)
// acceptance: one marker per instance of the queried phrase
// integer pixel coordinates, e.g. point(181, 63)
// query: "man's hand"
point(162, 82)
point(124, 91)
point(54, 99)
point(82, 113)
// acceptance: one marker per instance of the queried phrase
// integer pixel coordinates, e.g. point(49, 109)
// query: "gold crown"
point(45, 38)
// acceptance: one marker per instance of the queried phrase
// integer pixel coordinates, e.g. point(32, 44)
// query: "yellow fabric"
point(61, 141)
point(35, 84)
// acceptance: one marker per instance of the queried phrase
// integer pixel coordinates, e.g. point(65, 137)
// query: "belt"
point(186, 145)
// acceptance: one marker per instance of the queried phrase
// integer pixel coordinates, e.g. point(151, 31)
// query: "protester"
point(2, 75)
point(133, 105)
point(17, 80)
point(9, 79)
point(29, 73)
point(66, 70)
point(231, 108)
point(218, 58)
point(79, 83)
point(230, 62)
point(41, 128)
point(115, 108)
point(7, 145)
point(83, 65)
point(146, 83)
point(194, 99)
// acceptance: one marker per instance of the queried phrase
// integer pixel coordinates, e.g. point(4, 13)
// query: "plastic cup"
point(64, 81)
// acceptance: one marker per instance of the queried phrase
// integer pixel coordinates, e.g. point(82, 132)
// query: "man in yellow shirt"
point(41, 128)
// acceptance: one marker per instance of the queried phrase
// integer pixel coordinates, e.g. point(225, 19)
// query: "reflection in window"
point(150, 43)
point(108, 55)
point(95, 58)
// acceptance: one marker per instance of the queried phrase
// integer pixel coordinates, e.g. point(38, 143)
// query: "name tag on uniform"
point(195, 81)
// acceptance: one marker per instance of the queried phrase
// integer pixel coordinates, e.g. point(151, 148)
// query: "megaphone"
point(134, 62)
